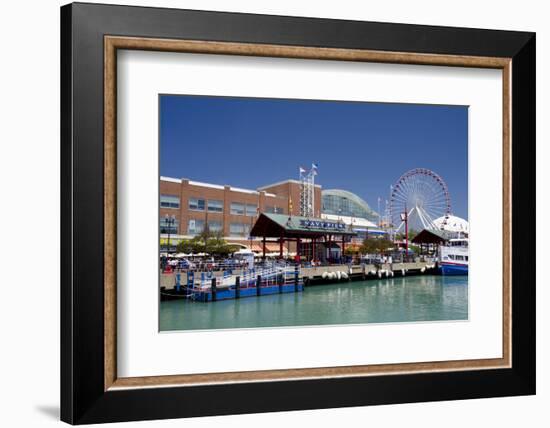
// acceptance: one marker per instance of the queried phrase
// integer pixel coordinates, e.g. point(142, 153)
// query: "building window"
point(251, 210)
point(274, 209)
point(195, 226)
point(215, 205)
point(215, 226)
point(168, 225)
point(169, 201)
point(239, 229)
point(237, 208)
point(196, 204)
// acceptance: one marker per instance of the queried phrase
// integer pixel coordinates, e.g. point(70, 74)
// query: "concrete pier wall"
point(167, 280)
point(371, 271)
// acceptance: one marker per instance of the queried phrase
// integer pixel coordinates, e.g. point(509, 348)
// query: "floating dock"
point(237, 293)
point(225, 285)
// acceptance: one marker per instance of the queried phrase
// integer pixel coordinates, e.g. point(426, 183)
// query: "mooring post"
point(258, 284)
point(214, 297)
point(238, 287)
point(178, 282)
point(363, 271)
point(190, 279)
point(296, 278)
point(281, 279)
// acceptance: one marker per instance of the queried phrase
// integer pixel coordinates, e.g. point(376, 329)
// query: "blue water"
point(404, 299)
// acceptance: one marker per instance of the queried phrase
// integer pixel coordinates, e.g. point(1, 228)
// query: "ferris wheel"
point(419, 197)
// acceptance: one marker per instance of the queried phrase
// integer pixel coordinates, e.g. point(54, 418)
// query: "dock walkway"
point(320, 274)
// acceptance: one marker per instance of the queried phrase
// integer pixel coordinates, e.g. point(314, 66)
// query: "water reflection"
point(415, 298)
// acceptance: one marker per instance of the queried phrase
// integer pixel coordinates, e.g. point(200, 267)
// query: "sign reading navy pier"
point(321, 224)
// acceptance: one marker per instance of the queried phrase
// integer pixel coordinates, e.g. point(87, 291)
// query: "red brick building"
point(232, 211)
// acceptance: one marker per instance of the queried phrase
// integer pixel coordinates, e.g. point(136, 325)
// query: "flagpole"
point(379, 222)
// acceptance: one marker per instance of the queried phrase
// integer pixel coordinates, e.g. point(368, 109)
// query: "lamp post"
point(169, 221)
point(379, 219)
point(206, 230)
point(340, 221)
point(251, 226)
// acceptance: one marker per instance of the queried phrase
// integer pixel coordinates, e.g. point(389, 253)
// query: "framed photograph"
point(266, 213)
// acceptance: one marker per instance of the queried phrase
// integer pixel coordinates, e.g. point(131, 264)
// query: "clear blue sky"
point(359, 147)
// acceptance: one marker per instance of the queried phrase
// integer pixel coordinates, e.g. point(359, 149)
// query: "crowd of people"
point(208, 263)
point(199, 264)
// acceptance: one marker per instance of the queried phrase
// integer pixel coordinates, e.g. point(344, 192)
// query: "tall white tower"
point(307, 191)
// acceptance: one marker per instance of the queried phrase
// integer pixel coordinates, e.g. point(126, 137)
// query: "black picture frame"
point(83, 398)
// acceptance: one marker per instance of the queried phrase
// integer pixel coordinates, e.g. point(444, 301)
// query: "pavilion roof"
point(281, 225)
point(430, 236)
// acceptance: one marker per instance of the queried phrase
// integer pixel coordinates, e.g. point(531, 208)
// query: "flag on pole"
point(302, 170)
point(314, 168)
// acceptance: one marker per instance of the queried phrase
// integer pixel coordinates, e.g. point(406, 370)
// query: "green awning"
point(281, 225)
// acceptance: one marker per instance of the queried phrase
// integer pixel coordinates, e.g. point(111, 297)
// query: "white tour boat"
point(453, 257)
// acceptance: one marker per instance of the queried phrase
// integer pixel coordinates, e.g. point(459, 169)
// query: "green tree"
point(208, 242)
point(350, 251)
point(376, 245)
point(415, 249)
point(184, 246)
point(369, 246)
point(412, 234)
point(385, 245)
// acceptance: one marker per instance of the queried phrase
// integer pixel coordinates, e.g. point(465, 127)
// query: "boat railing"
point(269, 273)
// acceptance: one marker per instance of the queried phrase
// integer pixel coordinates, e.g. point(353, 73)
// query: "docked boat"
point(453, 257)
